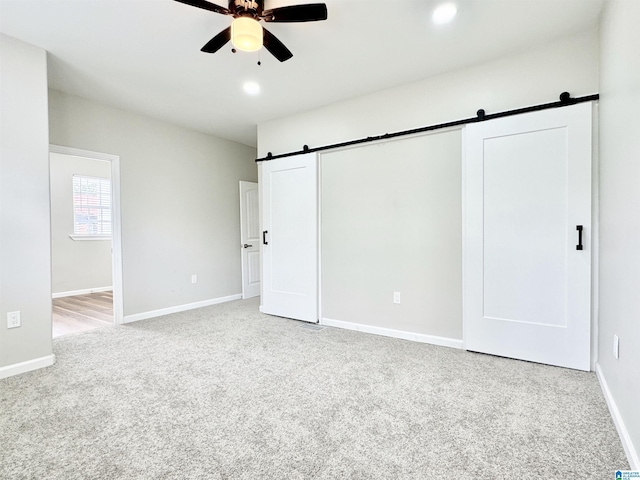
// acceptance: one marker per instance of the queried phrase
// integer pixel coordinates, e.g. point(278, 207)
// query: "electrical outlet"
point(396, 297)
point(13, 319)
point(194, 278)
point(616, 346)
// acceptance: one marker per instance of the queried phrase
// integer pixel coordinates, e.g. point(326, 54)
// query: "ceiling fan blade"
point(212, 7)
point(217, 42)
point(275, 46)
point(310, 12)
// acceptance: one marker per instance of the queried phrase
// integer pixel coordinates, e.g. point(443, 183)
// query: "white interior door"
point(526, 285)
point(250, 239)
point(290, 237)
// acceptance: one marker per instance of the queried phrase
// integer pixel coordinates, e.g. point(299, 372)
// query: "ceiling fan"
point(247, 34)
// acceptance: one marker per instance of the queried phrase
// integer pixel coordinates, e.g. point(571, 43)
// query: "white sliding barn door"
point(250, 239)
point(290, 237)
point(527, 184)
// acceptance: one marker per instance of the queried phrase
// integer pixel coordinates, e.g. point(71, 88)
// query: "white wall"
point(25, 262)
point(620, 212)
point(392, 222)
point(75, 264)
point(536, 76)
point(179, 201)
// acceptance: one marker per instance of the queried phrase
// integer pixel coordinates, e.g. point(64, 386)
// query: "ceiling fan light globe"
point(246, 34)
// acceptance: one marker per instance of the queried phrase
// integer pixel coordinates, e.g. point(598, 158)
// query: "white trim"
point(72, 293)
point(116, 225)
point(77, 152)
point(389, 332)
point(627, 444)
point(29, 365)
point(319, 239)
point(595, 235)
point(89, 237)
point(463, 200)
point(180, 308)
point(116, 244)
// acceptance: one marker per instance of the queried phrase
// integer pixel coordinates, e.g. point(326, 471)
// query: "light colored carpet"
point(225, 392)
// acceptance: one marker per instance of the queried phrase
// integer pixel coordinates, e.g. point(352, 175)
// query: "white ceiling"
point(144, 55)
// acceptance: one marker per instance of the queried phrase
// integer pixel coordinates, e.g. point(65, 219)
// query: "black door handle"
point(579, 228)
point(264, 237)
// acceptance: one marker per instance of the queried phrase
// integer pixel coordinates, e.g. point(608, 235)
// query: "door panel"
point(525, 204)
point(250, 239)
point(289, 226)
point(527, 187)
point(290, 254)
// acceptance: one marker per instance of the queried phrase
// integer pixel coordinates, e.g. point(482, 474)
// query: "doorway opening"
point(79, 313)
point(86, 259)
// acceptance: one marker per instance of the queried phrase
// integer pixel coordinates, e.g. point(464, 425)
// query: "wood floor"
point(82, 312)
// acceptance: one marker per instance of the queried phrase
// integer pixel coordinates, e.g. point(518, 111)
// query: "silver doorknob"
point(247, 246)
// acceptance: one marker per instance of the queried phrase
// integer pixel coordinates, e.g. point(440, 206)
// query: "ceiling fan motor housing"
point(241, 8)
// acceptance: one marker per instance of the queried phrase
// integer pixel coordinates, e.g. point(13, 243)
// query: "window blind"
point(91, 206)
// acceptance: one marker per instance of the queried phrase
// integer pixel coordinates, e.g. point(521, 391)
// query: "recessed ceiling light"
point(251, 88)
point(444, 13)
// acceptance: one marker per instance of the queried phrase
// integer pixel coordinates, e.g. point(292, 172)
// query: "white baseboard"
point(29, 365)
point(629, 449)
point(86, 291)
point(389, 332)
point(179, 308)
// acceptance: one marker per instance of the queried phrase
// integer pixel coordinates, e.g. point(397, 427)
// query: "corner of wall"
point(623, 432)
point(25, 276)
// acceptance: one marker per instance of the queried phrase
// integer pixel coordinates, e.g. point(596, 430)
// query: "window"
point(91, 207)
